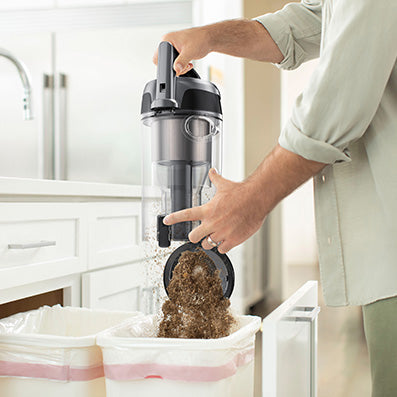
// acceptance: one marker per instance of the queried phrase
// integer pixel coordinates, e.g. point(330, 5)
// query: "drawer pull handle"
point(39, 244)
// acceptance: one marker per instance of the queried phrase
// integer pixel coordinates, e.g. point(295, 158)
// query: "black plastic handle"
point(166, 77)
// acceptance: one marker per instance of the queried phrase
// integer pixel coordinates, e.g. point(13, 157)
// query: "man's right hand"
point(192, 44)
point(239, 37)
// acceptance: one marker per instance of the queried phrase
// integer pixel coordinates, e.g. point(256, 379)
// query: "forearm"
point(243, 38)
point(280, 173)
point(240, 38)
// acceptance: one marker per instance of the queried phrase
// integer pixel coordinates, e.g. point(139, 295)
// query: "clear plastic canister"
point(178, 152)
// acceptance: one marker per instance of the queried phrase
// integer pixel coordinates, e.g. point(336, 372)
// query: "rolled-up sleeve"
point(296, 29)
point(345, 90)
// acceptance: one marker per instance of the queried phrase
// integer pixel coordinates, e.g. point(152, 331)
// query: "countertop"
point(14, 187)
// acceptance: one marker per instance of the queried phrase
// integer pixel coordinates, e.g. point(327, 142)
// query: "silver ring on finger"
point(213, 243)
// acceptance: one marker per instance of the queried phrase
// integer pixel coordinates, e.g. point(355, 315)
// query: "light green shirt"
point(347, 117)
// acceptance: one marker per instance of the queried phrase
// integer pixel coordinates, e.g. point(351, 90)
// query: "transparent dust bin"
point(52, 351)
point(178, 152)
point(136, 363)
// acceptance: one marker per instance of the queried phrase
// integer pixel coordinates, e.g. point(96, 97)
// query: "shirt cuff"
point(294, 140)
point(280, 32)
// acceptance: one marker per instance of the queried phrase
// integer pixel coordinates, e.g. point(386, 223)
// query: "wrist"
point(259, 195)
point(212, 34)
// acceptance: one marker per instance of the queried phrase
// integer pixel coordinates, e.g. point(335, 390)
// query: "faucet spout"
point(26, 82)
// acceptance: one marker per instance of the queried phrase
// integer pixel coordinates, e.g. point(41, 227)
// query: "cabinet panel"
point(21, 140)
point(117, 288)
point(39, 241)
point(114, 234)
point(289, 346)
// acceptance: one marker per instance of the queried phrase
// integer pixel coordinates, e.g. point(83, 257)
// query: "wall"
point(263, 96)
point(262, 106)
point(298, 227)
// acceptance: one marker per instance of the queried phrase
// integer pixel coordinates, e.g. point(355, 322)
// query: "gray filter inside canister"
point(181, 196)
point(181, 145)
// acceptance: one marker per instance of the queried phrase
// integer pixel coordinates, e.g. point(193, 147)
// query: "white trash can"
point(136, 363)
point(52, 351)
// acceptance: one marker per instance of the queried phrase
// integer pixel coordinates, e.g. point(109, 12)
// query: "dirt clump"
point(196, 307)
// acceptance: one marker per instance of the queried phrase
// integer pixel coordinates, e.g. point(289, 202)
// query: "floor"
point(343, 366)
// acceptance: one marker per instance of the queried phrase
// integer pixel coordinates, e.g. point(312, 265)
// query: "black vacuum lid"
point(185, 93)
point(221, 262)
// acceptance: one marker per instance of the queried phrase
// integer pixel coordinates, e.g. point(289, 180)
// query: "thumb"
point(181, 63)
point(216, 178)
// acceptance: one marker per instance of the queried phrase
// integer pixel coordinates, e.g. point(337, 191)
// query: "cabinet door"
point(114, 234)
point(104, 72)
point(289, 346)
point(21, 141)
point(115, 288)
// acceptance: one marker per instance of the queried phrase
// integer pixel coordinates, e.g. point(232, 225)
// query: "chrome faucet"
point(26, 82)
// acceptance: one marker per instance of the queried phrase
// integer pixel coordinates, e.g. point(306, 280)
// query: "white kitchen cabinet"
point(119, 287)
point(114, 235)
point(40, 241)
point(54, 238)
point(56, 231)
point(289, 346)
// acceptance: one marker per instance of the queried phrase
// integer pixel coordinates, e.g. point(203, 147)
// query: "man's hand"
point(233, 215)
point(191, 44)
point(238, 37)
point(238, 210)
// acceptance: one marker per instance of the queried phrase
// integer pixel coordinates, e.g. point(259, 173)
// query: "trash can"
point(136, 363)
point(52, 351)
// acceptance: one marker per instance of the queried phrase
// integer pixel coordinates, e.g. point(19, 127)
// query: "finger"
point(199, 233)
point(225, 247)
point(215, 237)
point(188, 67)
point(190, 214)
point(181, 63)
point(216, 178)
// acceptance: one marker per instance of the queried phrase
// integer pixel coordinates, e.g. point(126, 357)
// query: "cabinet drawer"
point(114, 234)
point(39, 241)
point(119, 287)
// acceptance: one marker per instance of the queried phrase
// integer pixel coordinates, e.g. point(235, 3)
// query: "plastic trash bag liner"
point(138, 363)
point(54, 344)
